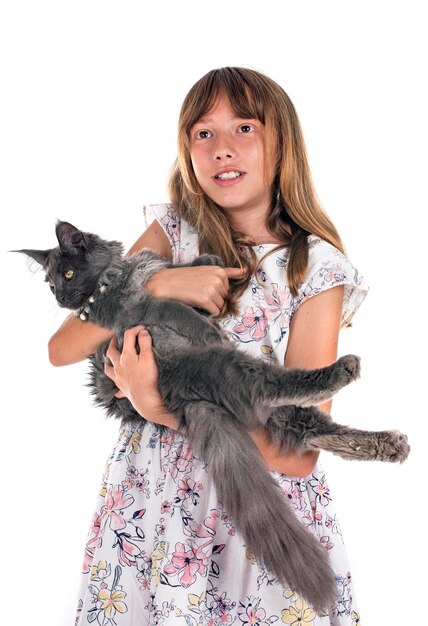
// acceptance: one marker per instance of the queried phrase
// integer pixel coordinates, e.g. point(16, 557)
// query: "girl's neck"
point(252, 224)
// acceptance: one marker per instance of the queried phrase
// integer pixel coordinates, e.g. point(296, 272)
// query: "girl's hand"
point(202, 286)
point(136, 376)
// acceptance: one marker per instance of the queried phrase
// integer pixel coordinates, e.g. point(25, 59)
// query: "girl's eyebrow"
point(210, 120)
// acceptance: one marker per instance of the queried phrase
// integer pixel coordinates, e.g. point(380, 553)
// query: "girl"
point(161, 548)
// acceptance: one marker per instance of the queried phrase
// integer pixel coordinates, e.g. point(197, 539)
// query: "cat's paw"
point(208, 259)
point(346, 369)
point(393, 446)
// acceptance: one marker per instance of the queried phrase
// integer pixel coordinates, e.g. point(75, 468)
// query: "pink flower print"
point(253, 321)
point(279, 303)
point(334, 274)
point(252, 614)
point(181, 461)
point(207, 529)
point(321, 489)
point(186, 563)
point(93, 542)
point(167, 440)
point(88, 559)
point(308, 519)
point(166, 507)
point(188, 489)
point(223, 604)
point(127, 550)
point(313, 518)
point(127, 483)
point(294, 497)
point(325, 541)
point(115, 503)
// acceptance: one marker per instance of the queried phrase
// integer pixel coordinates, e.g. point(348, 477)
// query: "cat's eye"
point(69, 274)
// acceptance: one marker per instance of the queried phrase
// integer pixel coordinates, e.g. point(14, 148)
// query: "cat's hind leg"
point(303, 428)
point(309, 387)
point(388, 445)
point(247, 387)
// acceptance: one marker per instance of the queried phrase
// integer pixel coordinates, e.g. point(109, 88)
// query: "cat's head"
point(75, 266)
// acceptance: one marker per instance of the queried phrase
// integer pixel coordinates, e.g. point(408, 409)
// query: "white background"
point(90, 99)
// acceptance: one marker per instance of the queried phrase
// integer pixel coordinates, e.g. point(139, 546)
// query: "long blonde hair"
point(295, 209)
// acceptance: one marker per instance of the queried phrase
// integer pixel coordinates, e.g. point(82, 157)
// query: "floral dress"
point(161, 548)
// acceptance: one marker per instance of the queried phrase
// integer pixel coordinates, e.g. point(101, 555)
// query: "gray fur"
point(218, 393)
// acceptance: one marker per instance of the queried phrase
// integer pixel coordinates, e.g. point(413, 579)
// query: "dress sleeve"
point(328, 268)
point(182, 238)
point(170, 222)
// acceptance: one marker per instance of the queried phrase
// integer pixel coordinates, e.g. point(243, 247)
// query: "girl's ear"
point(40, 256)
point(69, 237)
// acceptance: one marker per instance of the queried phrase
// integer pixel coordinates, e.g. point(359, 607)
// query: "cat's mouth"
point(71, 302)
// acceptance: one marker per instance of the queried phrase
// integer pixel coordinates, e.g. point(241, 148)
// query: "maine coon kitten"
point(218, 393)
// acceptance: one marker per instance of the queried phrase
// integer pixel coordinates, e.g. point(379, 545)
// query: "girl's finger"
point(109, 371)
point(130, 336)
point(235, 272)
point(145, 342)
point(112, 352)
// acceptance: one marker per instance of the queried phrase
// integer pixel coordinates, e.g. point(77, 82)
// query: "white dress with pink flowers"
point(161, 549)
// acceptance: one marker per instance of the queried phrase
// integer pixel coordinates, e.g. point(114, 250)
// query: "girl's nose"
point(223, 149)
point(223, 154)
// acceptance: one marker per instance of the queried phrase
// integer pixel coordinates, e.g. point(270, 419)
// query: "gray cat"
point(218, 393)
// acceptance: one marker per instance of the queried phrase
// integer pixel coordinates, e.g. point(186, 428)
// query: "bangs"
point(243, 93)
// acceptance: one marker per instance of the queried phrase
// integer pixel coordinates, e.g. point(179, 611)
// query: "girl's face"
point(228, 159)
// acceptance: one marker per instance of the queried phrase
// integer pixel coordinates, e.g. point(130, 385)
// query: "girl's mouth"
point(228, 175)
point(225, 179)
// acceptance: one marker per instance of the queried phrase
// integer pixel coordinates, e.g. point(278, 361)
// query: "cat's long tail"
point(255, 502)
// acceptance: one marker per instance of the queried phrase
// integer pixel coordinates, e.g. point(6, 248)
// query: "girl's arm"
point(313, 340)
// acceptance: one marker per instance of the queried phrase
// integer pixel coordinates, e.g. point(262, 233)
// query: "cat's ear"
point(41, 256)
point(69, 237)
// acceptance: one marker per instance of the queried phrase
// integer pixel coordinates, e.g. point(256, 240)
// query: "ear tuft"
point(40, 256)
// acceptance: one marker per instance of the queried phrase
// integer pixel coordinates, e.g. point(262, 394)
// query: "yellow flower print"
point(250, 557)
point(300, 615)
point(289, 594)
point(157, 558)
point(355, 618)
point(196, 603)
point(100, 571)
point(112, 602)
point(134, 444)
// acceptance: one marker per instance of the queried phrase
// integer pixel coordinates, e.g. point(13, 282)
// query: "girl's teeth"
point(228, 175)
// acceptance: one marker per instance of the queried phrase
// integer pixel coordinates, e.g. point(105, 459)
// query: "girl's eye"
point(246, 128)
point(203, 134)
point(68, 275)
